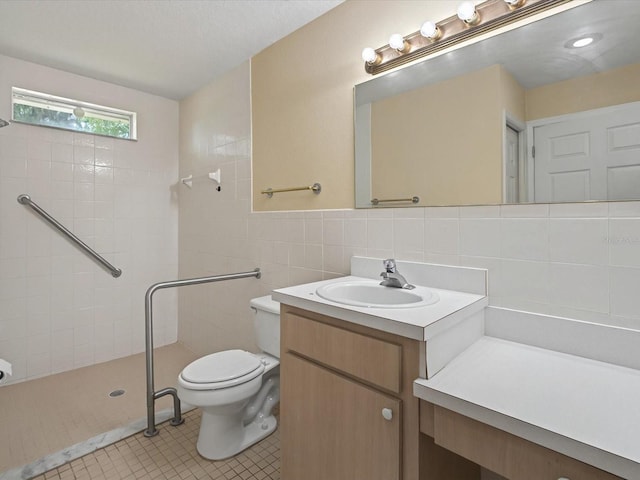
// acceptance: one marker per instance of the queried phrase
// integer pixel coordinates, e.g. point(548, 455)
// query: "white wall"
point(215, 129)
point(576, 260)
point(59, 310)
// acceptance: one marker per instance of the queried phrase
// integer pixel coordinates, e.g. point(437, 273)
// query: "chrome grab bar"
point(26, 200)
point(315, 188)
point(376, 201)
point(152, 395)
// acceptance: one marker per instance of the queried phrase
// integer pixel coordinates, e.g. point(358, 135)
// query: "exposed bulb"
point(396, 41)
point(467, 13)
point(430, 30)
point(515, 3)
point(370, 56)
point(78, 112)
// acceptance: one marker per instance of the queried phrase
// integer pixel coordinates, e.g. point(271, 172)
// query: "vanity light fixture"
point(468, 14)
point(471, 20)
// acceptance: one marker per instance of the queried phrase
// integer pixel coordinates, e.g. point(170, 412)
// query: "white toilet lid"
point(223, 369)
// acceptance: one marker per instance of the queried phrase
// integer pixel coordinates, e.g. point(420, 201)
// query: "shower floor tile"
point(171, 455)
point(43, 416)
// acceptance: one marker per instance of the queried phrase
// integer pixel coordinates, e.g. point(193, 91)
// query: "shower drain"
point(116, 393)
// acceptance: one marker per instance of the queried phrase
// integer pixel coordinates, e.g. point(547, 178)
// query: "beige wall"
point(302, 104)
point(612, 87)
point(219, 234)
point(513, 96)
point(302, 99)
point(441, 142)
point(571, 260)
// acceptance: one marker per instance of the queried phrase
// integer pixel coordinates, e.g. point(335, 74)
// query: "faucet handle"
point(389, 265)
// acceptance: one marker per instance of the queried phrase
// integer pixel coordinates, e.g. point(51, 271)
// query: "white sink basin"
point(373, 295)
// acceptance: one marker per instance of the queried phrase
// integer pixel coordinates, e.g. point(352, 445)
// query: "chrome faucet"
point(392, 278)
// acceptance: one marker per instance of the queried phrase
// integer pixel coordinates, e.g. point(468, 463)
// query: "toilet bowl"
point(236, 389)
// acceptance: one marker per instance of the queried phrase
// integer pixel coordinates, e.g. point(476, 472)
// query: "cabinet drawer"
point(506, 454)
point(343, 350)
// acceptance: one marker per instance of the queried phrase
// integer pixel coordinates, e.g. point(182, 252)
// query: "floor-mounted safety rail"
point(315, 188)
point(26, 200)
point(152, 395)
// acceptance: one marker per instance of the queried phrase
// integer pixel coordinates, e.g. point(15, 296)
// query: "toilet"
point(235, 389)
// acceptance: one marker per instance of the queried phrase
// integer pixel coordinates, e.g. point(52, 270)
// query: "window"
point(37, 108)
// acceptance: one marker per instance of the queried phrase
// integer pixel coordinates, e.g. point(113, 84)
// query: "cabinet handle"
point(387, 413)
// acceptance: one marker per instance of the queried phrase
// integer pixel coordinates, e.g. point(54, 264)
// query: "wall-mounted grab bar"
point(152, 395)
point(26, 200)
point(315, 188)
point(376, 201)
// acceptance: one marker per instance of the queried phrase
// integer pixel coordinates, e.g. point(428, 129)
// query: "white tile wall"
point(58, 309)
point(576, 260)
point(524, 239)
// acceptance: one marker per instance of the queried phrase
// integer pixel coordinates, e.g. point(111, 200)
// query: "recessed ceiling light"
point(583, 40)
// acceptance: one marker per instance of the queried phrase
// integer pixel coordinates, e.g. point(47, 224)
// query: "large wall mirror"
point(524, 116)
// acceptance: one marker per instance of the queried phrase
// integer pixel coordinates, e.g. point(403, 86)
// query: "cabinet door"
point(334, 428)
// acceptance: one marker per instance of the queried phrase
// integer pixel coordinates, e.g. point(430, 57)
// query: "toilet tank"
point(267, 324)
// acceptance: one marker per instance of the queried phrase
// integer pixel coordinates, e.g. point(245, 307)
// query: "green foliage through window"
point(41, 109)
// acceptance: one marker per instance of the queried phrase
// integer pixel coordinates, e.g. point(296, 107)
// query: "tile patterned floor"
point(171, 455)
point(46, 415)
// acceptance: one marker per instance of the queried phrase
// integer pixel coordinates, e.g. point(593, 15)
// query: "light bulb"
point(397, 42)
point(370, 56)
point(514, 3)
point(430, 30)
point(467, 13)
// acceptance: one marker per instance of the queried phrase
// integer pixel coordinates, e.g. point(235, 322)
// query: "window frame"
point(22, 96)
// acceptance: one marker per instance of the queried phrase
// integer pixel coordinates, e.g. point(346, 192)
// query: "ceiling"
point(165, 47)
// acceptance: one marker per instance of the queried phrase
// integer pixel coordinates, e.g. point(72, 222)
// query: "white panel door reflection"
point(593, 155)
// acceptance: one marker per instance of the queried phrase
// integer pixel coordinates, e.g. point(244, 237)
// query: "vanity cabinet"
point(347, 406)
point(503, 453)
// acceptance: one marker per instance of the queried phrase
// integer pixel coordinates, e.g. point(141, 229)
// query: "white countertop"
point(583, 408)
point(420, 323)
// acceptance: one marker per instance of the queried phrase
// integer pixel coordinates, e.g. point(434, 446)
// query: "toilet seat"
point(221, 370)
